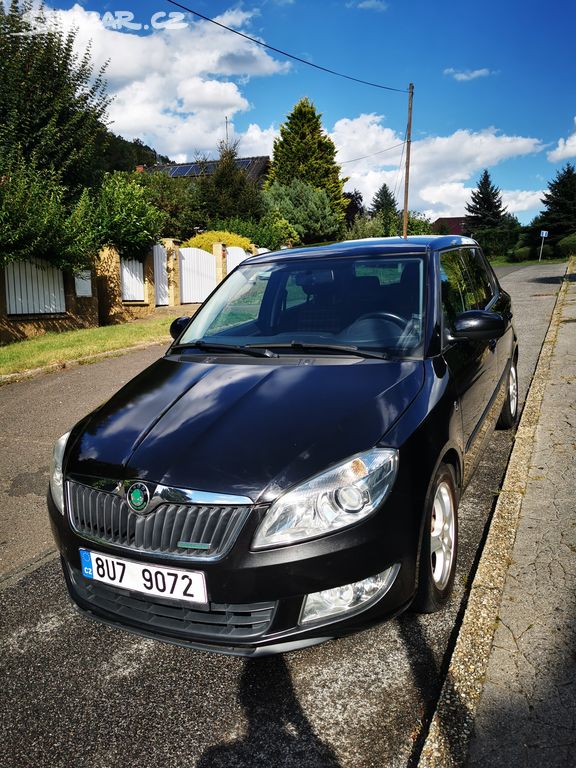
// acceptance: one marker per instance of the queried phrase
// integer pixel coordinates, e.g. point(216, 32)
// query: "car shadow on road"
point(430, 674)
point(278, 732)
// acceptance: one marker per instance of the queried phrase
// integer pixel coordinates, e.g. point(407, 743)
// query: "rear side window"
point(458, 290)
point(480, 276)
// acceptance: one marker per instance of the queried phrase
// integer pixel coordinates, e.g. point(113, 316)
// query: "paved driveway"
point(80, 694)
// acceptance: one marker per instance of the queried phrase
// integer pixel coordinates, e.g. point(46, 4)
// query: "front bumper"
point(255, 598)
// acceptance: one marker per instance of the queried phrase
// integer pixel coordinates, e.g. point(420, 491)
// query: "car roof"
point(371, 246)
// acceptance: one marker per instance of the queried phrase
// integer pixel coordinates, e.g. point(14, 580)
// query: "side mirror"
point(178, 326)
point(478, 325)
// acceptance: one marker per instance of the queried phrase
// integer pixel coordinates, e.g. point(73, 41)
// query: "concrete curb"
point(11, 378)
point(452, 724)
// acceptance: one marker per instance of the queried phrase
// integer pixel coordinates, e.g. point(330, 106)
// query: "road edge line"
point(451, 727)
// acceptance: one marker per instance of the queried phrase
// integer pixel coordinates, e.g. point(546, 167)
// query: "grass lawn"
point(56, 348)
point(502, 262)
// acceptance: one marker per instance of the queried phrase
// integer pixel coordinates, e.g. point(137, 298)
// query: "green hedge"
point(567, 246)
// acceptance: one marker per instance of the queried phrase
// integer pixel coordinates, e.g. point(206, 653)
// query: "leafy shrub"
point(567, 246)
point(272, 231)
point(523, 253)
point(125, 218)
point(206, 240)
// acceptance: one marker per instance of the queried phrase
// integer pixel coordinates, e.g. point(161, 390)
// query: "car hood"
point(249, 428)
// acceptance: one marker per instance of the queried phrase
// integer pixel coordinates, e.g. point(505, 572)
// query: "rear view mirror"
point(478, 325)
point(178, 326)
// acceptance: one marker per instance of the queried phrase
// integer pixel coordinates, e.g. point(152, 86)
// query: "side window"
point(480, 275)
point(458, 291)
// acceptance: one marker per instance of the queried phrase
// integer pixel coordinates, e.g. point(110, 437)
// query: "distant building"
point(255, 167)
point(455, 225)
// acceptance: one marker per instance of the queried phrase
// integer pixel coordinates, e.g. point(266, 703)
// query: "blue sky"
point(494, 85)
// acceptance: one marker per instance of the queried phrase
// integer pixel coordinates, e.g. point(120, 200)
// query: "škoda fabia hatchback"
point(290, 470)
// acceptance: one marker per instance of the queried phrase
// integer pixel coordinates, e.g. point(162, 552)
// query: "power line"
point(285, 53)
point(364, 157)
point(399, 171)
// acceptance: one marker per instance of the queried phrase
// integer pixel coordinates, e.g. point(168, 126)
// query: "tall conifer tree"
point(560, 201)
point(305, 152)
point(485, 208)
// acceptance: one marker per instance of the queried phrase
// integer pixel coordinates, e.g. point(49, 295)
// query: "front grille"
point(148, 613)
point(107, 518)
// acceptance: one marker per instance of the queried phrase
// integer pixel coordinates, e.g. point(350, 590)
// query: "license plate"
point(144, 577)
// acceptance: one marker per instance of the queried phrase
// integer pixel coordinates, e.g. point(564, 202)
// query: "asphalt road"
point(74, 693)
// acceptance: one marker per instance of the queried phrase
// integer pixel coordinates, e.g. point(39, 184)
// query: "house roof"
point(255, 167)
point(454, 225)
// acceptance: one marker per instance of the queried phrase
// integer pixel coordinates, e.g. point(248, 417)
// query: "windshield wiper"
point(310, 346)
point(209, 346)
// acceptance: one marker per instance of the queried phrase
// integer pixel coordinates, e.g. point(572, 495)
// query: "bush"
point(206, 240)
point(272, 231)
point(567, 246)
point(306, 208)
point(523, 253)
point(125, 218)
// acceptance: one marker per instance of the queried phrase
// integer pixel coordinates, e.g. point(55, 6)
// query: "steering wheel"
point(390, 316)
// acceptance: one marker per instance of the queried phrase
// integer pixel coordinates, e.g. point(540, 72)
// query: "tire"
point(439, 543)
point(509, 413)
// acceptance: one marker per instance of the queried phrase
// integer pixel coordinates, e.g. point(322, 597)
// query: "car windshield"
point(373, 303)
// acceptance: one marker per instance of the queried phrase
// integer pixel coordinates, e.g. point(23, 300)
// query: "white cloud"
point(565, 149)
point(369, 5)
point(444, 169)
point(468, 74)
point(174, 88)
point(257, 141)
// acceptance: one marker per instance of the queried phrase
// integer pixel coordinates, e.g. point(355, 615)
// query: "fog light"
point(349, 598)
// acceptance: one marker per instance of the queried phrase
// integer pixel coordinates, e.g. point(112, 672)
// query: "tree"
point(384, 201)
point(180, 199)
point(305, 152)
point(485, 208)
point(355, 206)
point(559, 216)
point(35, 222)
point(114, 153)
point(306, 208)
point(51, 100)
point(228, 192)
point(125, 218)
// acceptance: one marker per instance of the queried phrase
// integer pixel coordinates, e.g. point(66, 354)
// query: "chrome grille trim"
point(106, 518)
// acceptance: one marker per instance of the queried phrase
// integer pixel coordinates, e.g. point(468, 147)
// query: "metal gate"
point(132, 279)
point(197, 275)
point(34, 287)
point(161, 276)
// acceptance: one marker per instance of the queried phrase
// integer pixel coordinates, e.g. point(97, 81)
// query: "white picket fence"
point(34, 288)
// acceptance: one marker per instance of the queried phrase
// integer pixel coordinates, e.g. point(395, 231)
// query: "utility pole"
point(407, 174)
point(226, 130)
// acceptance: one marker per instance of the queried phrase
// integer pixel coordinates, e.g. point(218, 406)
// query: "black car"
point(290, 470)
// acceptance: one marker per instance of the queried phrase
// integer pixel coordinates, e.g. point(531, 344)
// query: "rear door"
point(474, 364)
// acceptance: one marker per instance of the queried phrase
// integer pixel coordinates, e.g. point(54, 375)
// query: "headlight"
point(330, 501)
point(56, 477)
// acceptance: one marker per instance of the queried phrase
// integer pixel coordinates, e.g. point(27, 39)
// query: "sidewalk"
point(510, 693)
point(527, 713)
